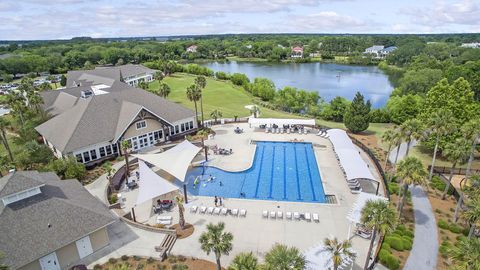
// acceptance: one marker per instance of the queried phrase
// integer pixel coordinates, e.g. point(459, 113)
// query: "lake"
point(329, 80)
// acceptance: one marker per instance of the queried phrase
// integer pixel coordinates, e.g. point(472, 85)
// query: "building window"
point(102, 151)
point(86, 157)
point(191, 124)
point(183, 127)
point(177, 129)
point(172, 131)
point(115, 148)
point(108, 149)
point(79, 158)
point(141, 124)
point(93, 154)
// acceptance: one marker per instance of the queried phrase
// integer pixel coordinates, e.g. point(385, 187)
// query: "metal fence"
point(447, 170)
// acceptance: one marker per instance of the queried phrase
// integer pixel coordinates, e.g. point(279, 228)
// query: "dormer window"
point(21, 195)
point(141, 124)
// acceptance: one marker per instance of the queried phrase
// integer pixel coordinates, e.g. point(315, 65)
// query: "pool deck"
point(253, 232)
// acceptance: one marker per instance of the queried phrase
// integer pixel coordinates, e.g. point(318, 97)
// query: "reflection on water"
point(329, 80)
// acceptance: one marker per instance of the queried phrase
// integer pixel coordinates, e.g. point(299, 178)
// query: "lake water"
point(329, 80)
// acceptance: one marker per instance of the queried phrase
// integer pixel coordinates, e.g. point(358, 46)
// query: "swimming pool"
point(281, 171)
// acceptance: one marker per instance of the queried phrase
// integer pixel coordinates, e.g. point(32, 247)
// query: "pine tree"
point(356, 117)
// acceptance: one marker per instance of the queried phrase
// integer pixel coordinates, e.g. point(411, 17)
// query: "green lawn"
point(221, 95)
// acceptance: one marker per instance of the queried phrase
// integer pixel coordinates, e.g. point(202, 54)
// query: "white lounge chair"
point(210, 210)
point(280, 214)
point(305, 131)
point(288, 131)
point(265, 214)
point(234, 212)
point(224, 211)
point(327, 136)
point(273, 214)
point(315, 217)
point(289, 215)
point(216, 211)
point(296, 215)
point(193, 209)
point(308, 217)
point(356, 190)
point(243, 212)
point(203, 209)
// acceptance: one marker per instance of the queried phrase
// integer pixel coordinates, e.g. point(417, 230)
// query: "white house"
point(297, 52)
point(192, 49)
point(474, 45)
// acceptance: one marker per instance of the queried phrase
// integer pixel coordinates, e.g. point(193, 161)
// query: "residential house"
point(90, 121)
point(386, 51)
point(297, 52)
point(473, 45)
point(130, 74)
point(48, 223)
point(192, 49)
point(379, 51)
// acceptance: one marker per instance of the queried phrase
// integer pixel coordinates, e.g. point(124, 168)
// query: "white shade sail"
point(348, 155)
point(175, 161)
point(355, 213)
point(151, 185)
point(280, 122)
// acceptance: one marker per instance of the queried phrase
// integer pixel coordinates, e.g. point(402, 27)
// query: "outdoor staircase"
point(166, 245)
point(330, 199)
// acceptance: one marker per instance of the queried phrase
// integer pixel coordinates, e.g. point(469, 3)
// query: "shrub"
point(181, 258)
point(461, 238)
point(392, 263)
point(395, 242)
point(172, 259)
point(124, 258)
point(140, 266)
point(161, 267)
point(387, 247)
point(438, 211)
point(112, 260)
point(439, 185)
point(113, 199)
point(442, 224)
point(150, 260)
point(393, 188)
point(407, 243)
point(383, 255)
point(455, 228)
point(179, 267)
point(97, 267)
point(136, 258)
point(409, 233)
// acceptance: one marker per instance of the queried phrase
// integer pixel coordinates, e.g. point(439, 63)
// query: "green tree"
point(63, 80)
point(378, 216)
point(471, 132)
point(201, 83)
point(143, 85)
point(356, 117)
point(263, 88)
point(411, 171)
point(52, 79)
point(67, 168)
point(181, 210)
point(419, 81)
point(338, 250)
point(215, 114)
point(158, 75)
point(465, 255)
point(194, 95)
point(244, 261)
point(456, 152)
point(34, 154)
point(281, 257)
point(403, 108)
point(391, 139)
point(164, 90)
point(109, 170)
point(412, 129)
point(439, 124)
point(4, 124)
point(472, 214)
point(215, 240)
point(335, 109)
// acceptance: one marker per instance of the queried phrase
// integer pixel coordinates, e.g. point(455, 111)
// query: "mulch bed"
point(186, 232)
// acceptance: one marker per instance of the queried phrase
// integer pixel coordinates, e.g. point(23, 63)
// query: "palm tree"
point(412, 172)
point(440, 124)
point(466, 254)
point(472, 214)
point(471, 131)
point(215, 114)
point(255, 110)
point(201, 83)
point(158, 75)
point(143, 85)
point(281, 257)
point(125, 148)
point(467, 191)
point(109, 170)
point(193, 95)
point(338, 250)
point(456, 152)
point(412, 129)
point(388, 137)
point(181, 209)
point(4, 124)
point(244, 261)
point(217, 241)
point(164, 90)
point(379, 217)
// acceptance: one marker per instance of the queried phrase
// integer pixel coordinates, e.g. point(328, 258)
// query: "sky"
point(64, 19)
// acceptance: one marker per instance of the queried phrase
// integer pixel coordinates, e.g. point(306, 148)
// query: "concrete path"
point(98, 188)
point(402, 152)
point(423, 255)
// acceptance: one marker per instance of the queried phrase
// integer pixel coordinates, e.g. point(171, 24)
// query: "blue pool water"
point(281, 171)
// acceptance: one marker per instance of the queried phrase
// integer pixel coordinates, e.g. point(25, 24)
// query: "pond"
point(329, 80)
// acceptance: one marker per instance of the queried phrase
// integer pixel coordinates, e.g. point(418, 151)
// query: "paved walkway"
point(423, 255)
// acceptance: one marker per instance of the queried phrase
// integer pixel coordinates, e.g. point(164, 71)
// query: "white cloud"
point(328, 21)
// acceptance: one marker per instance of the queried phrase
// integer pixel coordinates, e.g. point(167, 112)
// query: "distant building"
point(249, 46)
point(280, 46)
point(48, 223)
point(130, 74)
point(297, 52)
point(379, 51)
point(192, 49)
point(474, 45)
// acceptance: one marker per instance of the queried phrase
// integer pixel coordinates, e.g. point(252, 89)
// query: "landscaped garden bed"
point(142, 263)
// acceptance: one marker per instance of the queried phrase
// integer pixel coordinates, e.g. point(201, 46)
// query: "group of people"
point(238, 130)
point(218, 201)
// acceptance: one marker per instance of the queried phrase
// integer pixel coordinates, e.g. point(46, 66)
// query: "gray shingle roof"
point(16, 182)
point(101, 118)
point(105, 75)
point(70, 210)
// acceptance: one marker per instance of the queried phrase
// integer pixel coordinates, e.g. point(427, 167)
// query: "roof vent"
point(87, 93)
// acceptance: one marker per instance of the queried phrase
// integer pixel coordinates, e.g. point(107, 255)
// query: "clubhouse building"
point(92, 118)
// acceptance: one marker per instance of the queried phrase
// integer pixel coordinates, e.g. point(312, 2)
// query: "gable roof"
point(102, 118)
point(17, 182)
point(63, 213)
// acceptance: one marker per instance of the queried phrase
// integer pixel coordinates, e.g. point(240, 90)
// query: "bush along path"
point(423, 255)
